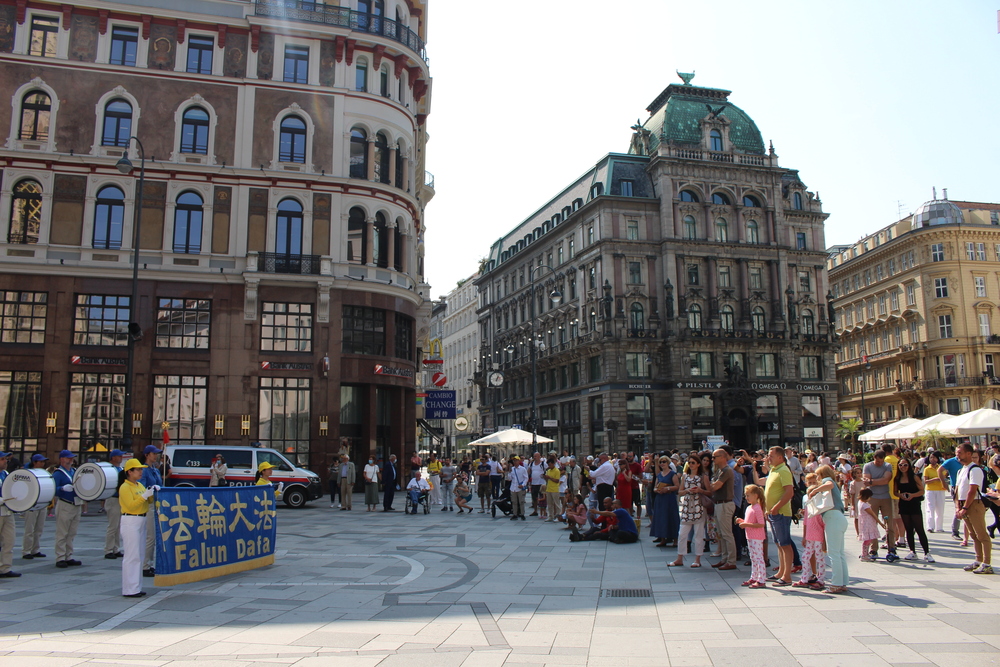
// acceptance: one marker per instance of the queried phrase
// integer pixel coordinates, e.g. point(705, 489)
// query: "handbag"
point(708, 504)
point(820, 503)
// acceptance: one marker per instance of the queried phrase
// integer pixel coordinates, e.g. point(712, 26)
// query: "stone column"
point(371, 159)
point(738, 220)
point(406, 173)
point(772, 232)
point(369, 241)
point(709, 235)
point(391, 250)
point(391, 176)
point(678, 222)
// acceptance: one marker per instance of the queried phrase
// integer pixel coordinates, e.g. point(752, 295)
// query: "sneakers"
point(956, 536)
point(910, 556)
point(928, 558)
point(983, 569)
point(332, 505)
point(971, 567)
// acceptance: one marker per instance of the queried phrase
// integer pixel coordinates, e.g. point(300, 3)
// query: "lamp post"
point(864, 380)
point(556, 297)
point(125, 166)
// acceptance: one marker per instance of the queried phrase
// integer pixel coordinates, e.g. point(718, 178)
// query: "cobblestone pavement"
point(363, 589)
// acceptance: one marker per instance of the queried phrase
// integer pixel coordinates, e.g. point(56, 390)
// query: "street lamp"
point(556, 296)
point(864, 379)
point(125, 166)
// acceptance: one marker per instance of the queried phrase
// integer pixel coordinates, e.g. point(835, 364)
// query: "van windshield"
point(201, 457)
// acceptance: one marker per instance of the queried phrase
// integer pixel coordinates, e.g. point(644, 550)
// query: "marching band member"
point(113, 536)
point(7, 533)
point(34, 520)
point(133, 498)
point(68, 510)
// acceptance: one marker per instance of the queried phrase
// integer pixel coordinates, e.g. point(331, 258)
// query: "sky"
point(873, 102)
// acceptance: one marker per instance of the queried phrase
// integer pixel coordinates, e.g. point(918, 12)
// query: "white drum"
point(95, 481)
point(28, 489)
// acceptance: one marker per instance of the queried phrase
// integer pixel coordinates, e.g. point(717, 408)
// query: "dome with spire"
point(937, 212)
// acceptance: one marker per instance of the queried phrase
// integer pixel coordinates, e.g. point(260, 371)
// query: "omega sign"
point(768, 385)
point(814, 387)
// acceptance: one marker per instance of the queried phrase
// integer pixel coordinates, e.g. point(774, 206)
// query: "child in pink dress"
point(868, 524)
point(753, 524)
point(813, 540)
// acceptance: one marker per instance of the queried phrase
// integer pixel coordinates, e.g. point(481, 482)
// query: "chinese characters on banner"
point(209, 532)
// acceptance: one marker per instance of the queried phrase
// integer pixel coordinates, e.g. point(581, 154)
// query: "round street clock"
point(461, 423)
point(495, 379)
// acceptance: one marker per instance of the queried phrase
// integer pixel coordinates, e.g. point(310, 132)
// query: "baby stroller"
point(503, 504)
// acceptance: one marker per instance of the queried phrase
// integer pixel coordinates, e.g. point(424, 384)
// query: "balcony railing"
point(429, 179)
point(942, 383)
point(273, 262)
point(734, 333)
point(717, 156)
point(341, 17)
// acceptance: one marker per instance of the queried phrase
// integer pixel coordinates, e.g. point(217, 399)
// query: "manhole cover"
point(626, 592)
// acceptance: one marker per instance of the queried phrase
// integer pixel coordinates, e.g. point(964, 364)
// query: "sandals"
point(748, 582)
point(674, 563)
point(695, 564)
point(758, 584)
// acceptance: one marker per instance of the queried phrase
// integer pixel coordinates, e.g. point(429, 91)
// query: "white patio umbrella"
point(879, 434)
point(978, 422)
point(510, 436)
point(913, 430)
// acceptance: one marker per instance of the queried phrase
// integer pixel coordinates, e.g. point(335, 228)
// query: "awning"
point(435, 433)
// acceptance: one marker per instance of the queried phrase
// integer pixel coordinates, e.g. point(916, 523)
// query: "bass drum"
point(28, 489)
point(95, 481)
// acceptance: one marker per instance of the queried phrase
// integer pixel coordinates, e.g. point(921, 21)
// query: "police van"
point(191, 466)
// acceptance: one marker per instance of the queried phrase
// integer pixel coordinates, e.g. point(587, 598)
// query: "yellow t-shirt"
point(931, 480)
point(779, 477)
point(892, 485)
point(130, 498)
point(434, 468)
point(552, 476)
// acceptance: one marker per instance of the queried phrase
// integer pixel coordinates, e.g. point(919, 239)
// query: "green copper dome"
point(676, 115)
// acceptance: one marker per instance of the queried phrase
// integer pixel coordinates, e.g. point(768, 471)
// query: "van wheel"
point(184, 485)
point(294, 497)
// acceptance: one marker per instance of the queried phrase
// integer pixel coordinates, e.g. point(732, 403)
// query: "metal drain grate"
point(626, 593)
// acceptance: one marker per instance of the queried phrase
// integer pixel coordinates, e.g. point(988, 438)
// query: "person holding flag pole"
point(152, 477)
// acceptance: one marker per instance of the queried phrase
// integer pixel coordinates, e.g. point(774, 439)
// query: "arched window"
point(36, 112)
point(288, 230)
point(117, 123)
point(188, 218)
point(751, 201)
point(694, 317)
point(690, 228)
point(757, 319)
point(194, 131)
point(753, 232)
point(109, 217)
point(361, 75)
point(637, 317)
point(356, 237)
point(25, 212)
point(721, 229)
point(292, 141)
point(808, 322)
point(726, 318)
point(797, 201)
point(715, 139)
point(359, 153)
point(370, 15)
point(383, 81)
point(380, 241)
point(688, 196)
point(720, 198)
point(382, 174)
point(399, 167)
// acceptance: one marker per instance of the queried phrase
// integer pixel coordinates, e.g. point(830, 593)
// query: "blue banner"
point(209, 532)
point(440, 404)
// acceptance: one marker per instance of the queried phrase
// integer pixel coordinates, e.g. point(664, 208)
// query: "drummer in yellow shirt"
point(264, 472)
point(133, 498)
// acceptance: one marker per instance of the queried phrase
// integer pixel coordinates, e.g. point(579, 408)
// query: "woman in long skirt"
point(666, 519)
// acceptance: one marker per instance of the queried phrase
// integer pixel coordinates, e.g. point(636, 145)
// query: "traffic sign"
point(439, 379)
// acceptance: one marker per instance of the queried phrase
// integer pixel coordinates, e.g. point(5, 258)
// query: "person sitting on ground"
point(462, 494)
point(417, 489)
point(600, 524)
point(624, 531)
point(576, 512)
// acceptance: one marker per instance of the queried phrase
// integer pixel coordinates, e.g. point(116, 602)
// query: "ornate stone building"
point(691, 291)
point(280, 271)
point(916, 305)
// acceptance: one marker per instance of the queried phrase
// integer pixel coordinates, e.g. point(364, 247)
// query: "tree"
point(849, 430)
point(933, 439)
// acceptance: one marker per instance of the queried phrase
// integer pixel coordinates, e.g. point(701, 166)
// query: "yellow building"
point(917, 308)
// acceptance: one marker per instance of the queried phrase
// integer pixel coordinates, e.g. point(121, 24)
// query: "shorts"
point(484, 489)
point(781, 529)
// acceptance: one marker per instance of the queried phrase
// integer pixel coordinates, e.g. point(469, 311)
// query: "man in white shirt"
point(604, 479)
point(536, 469)
point(972, 510)
point(415, 489)
point(518, 487)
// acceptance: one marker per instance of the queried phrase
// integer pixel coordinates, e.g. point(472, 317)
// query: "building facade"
point(280, 273)
point(690, 288)
point(916, 314)
point(460, 344)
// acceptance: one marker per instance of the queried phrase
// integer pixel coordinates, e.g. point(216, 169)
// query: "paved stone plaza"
point(356, 588)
